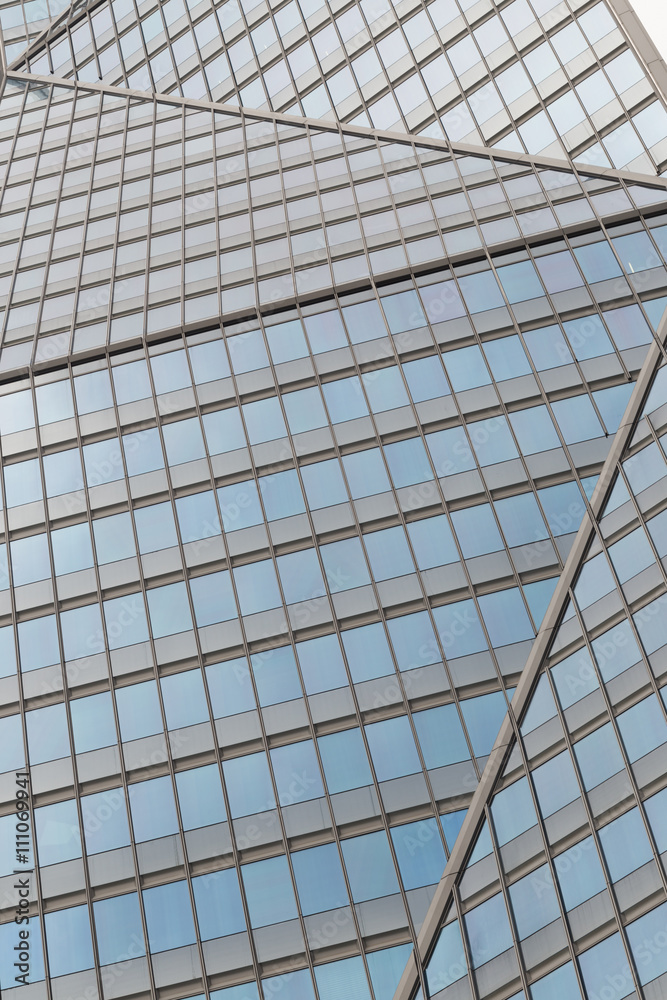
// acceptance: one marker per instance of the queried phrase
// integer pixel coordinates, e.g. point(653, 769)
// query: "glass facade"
point(308, 379)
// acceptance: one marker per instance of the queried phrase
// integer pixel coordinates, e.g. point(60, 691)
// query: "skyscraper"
point(330, 424)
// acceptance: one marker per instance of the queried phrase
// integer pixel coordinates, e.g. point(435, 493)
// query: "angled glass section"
point(574, 858)
point(473, 74)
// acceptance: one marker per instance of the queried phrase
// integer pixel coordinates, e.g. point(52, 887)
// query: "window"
point(319, 879)
point(248, 784)
point(155, 527)
point(344, 399)
point(369, 865)
point(68, 941)
point(269, 891)
point(139, 711)
point(93, 722)
point(82, 632)
point(114, 538)
point(200, 796)
point(105, 821)
point(420, 854)
point(58, 837)
point(153, 809)
point(345, 761)
point(169, 610)
point(38, 643)
point(392, 748)
point(118, 928)
point(169, 917)
point(344, 565)
point(534, 901)
point(606, 962)
point(488, 930)
point(47, 734)
point(321, 662)
point(276, 675)
point(62, 472)
point(218, 904)
point(440, 736)
point(257, 587)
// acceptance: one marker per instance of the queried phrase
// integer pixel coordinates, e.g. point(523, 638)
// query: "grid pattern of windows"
point(568, 867)
point(299, 420)
point(556, 78)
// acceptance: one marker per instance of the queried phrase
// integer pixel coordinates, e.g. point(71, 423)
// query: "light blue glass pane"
point(345, 761)
point(62, 471)
point(68, 941)
point(647, 943)
point(118, 929)
point(269, 892)
point(213, 598)
point(368, 653)
point(534, 430)
point(605, 964)
point(184, 699)
point(440, 736)
point(304, 410)
point(408, 462)
point(513, 811)
point(198, 517)
point(521, 519)
point(433, 542)
point(481, 291)
point(143, 451)
point(247, 351)
point(588, 338)
point(48, 738)
point(38, 643)
point(595, 580)
point(344, 980)
point(230, 687)
point(507, 358)
point(257, 587)
point(643, 728)
point(388, 553)
point(344, 399)
point(58, 836)
point(218, 904)
point(447, 964)
point(301, 576)
point(555, 784)
point(451, 824)
point(413, 641)
point(248, 782)
point(370, 869)
point(93, 722)
point(616, 650)
point(386, 968)
point(548, 347)
point(200, 796)
point(319, 879)
point(577, 419)
point(651, 625)
point(82, 631)
point(209, 361)
point(239, 505)
point(54, 402)
point(72, 549)
point(385, 389)
point(344, 565)
point(276, 676)
point(297, 773)
point(541, 707)
point(597, 261)
point(420, 854)
point(364, 322)
point(224, 431)
point(563, 506)
point(598, 756)
point(170, 371)
point(103, 462)
point(299, 986)
point(324, 484)
point(169, 916)
point(483, 717)
point(466, 368)
point(625, 844)
point(366, 473)
point(403, 311)
point(488, 930)
point(93, 392)
point(155, 527)
point(30, 559)
point(325, 331)
point(138, 711)
point(131, 382)
point(392, 748)
point(105, 821)
point(534, 901)
point(612, 403)
point(322, 665)
point(8, 939)
point(557, 985)
point(580, 874)
point(459, 629)
point(656, 810)
point(505, 617)
point(169, 610)
point(153, 809)
point(22, 483)
point(183, 441)
point(492, 441)
point(574, 678)
point(450, 451)
point(426, 379)
point(520, 281)
point(114, 538)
